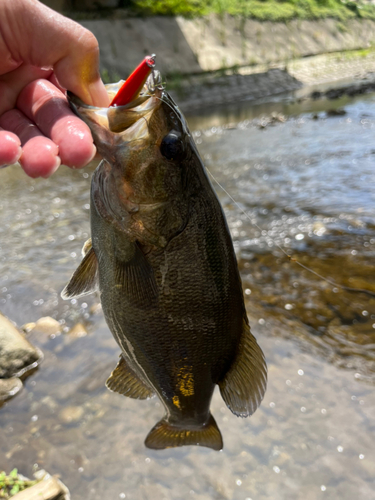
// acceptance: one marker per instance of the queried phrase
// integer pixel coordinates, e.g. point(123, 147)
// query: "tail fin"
point(165, 435)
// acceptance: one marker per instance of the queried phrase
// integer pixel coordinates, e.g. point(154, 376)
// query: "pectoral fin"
point(124, 381)
point(136, 277)
point(85, 277)
point(244, 384)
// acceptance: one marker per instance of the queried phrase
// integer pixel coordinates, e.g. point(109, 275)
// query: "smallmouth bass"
point(163, 260)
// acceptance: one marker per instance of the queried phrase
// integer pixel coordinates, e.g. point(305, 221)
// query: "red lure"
point(134, 83)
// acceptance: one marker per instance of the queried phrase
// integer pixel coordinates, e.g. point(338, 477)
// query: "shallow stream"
point(309, 186)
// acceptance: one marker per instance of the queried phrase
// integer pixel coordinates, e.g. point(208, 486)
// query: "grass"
point(12, 484)
point(262, 10)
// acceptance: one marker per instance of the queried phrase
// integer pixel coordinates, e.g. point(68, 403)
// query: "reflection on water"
point(309, 186)
point(291, 104)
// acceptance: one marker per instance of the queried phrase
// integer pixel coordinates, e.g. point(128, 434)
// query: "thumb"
point(78, 70)
point(37, 35)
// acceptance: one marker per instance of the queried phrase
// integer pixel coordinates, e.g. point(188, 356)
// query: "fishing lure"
point(135, 82)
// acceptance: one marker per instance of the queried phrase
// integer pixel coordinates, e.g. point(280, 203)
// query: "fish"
point(162, 258)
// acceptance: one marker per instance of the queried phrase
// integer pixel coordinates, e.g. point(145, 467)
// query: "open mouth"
point(132, 103)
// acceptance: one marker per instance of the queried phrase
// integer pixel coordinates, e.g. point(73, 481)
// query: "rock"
point(96, 308)
point(335, 93)
point(71, 414)
point(49, 488)
point(28, 327)
point(78, 330)
point(278, 117)
point(316, 95)
point(46, 325)
point(17, 355)
point(319, 228)
point(336, 112)
point(9, 387)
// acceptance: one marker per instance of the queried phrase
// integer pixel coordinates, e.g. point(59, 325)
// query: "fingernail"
point(98, 93)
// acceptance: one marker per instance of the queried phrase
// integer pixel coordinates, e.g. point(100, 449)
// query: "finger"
point(42, 37)
point(56, 83)
point(79, 72)
point(10, 148)
point(45, 105)
point(12, 84)
point(40, 155)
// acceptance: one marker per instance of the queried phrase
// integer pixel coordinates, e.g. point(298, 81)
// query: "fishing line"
point(169, 105)
point(292, 259)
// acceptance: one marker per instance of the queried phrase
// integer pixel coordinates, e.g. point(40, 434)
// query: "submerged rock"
point(78, 330)
point(46, 325)
point(9, 387)
point(17, 355)
point(71, 414)
point(335, 112)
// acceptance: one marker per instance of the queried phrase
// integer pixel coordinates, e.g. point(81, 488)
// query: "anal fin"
point(244, 385)
point(85, 278)
point(165, 435)
point(124, 381)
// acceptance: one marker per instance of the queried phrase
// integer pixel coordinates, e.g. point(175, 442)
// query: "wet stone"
point(28, 327)
point(78, 330)
point(71, 414)
point(335, 112)
point(49, 488)
point(46, 325)
point(96, 308)
point(16, 353)
point(9, 387)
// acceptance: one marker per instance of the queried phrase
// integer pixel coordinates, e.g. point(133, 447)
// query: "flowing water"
point(309, 185)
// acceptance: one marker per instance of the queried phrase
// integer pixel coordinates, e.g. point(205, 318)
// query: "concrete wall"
point(213, 42)
point(231, 41)
point(206, 44)
point(125, 42)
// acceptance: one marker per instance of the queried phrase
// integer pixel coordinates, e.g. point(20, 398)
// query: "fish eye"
point(172, 147)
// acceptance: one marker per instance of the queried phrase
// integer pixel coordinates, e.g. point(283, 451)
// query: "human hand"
point(42, 53)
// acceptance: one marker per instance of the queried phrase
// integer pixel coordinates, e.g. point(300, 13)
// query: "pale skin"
point(42, 53)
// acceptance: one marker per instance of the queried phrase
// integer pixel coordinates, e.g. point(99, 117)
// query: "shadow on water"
point(309, 184)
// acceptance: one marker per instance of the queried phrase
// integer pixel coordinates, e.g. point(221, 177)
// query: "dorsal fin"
point(85, 278)
point(244, 384)
point(124, 381)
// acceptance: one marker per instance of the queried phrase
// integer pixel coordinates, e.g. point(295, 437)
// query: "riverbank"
point(351, 70)
point(215, 60)
point(216, 43)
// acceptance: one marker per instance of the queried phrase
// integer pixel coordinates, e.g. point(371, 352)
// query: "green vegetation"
point(263, 10)
point(110, 76)
point(12, 484)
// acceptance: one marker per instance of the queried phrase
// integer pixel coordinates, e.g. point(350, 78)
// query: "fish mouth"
point(129, 122)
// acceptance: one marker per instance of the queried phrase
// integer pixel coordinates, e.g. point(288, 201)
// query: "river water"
point(305, 187)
